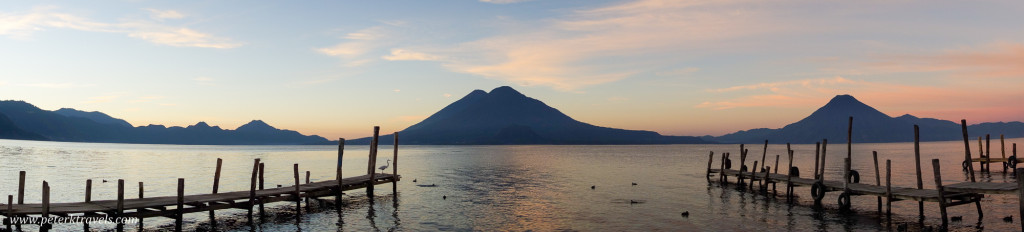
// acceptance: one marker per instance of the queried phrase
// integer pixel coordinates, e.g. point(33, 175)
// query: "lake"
point(540, 188)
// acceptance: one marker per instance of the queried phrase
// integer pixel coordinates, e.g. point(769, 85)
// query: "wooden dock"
point(176, 206)
point(849, 184)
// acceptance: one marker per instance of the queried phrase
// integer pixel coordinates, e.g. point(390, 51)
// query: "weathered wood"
point(180, 211)
point(372, 162)
point(967, 150)
point(252, 188)
point(260, 187)
point(878, 178)
point(141, 190)
point(763, 162)
point(120, 197)
point(723, 178)
point(939, 188)
point(216, 186)
point(847, 179)
point(338, 176)
point(394, 163)
point(297, 193)
point(988, 152)
point(21, 187)
point(776, 168)
point(707, 173)
point(824, 149)
point(10, 211)
point(752, 177)
point(88, 190)
point(888, 190)
point(1019, 173)
point(789, 178)
point(817, 157)
point(743, 160)
point(307, 182)
point(917, 165)
point(849, 141)
point(46, 206)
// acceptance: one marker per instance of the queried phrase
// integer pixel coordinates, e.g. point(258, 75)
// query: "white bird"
point(385, 166)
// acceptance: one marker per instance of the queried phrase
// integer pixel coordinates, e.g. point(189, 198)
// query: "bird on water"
point(593, 186)
point(686, 213)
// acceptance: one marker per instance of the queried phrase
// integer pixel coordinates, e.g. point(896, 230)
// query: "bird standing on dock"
point(1008, 218)
point(414, 180)
point(593, 186)
point(385, 166)
point(634, 183)
point(686, 214)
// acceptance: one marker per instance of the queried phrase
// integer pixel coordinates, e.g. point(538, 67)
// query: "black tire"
point(854, 177)
point(794, 171)
point(728, 163)
point(818, 191)
point(844, 201)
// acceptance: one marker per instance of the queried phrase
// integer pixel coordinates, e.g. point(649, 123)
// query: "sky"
point(677, 67)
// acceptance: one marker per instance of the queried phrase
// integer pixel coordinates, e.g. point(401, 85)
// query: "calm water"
point(541, 188)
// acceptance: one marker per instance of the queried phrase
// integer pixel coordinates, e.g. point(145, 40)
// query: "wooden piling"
point(372, 162)
point(817, 157)
point(394, 164)
point(743, 160)
point(252, 188)
point(88, 190)
point(46, 206)
point(141, 190)
point(988, 152)
point(260, 187)
point(21, 187)
point(298, 198)
point(888, 190)
point(942, 197)
point(752, 177)
point(824, 148)
point(338, 176)
point(846, 179)
point(1002, 148)
point(763, 162)
point(307, 182)
point(967, 150)
point(707, 173)
point(722, 176)
point(180, 211)
point(120, 204)
point(849, 141)
point(1019, 173)
point(789, 178)
point(878, 178)
point(917, 164)
point(776, 168)
point(10, 211)
point(216, 186)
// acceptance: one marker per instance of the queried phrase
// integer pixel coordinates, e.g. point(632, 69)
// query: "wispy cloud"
point(504, 1)
point(60, 85)
point(42, 18)
point(402, 54)
point(102, 99)
point(164, 14)
point(357, 44)
point(995, 60)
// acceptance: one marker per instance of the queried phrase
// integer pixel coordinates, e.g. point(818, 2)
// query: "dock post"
point(252, 188)
point(721, 176)
point(141, 190)
point(817, 157)
point(847, 203)
point(942, 194)
point(1019, 173)
point(753, 175)
point(1002, 148)
point(216, 186)
point(178, 213)
point(307, 195)
point(763, 162)
point(824, 148)
point(394, 166)
point(878, 179)
point(88, 198)
point(789, 178)
point(21, 187)
point(298, 197)
point(707, 173)
point(120, 204)
point(967, 150)
point(849, 142)
point(260, 187)
point(776, 168)
point(988, 153)
point(917, 164)
point(338, 176)
point(372, 162)
point(888, 192)
point(46, 206)
point(10, 211)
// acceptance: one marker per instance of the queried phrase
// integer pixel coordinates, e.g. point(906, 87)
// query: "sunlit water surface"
point(541, 188)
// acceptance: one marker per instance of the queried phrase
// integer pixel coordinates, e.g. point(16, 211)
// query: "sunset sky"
point(337, 68)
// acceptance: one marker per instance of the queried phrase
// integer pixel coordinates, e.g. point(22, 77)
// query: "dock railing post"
point(817, 157)
point(942, 194)
point(707, 173)
point(338, 176)
point(743, 160)
point(789, 178)
point(969, 165)
point(824, 149)
point(763, 163)
point(888, 191)
point(917, 164)
point(21, 187)
point(178, 213)
point(721, 175)
point(1002, 148)
point(88, 198)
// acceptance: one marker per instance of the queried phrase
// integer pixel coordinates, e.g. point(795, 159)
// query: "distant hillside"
point(869, 126)
point(505, 116)
point(10, 131)
point(72, 125)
